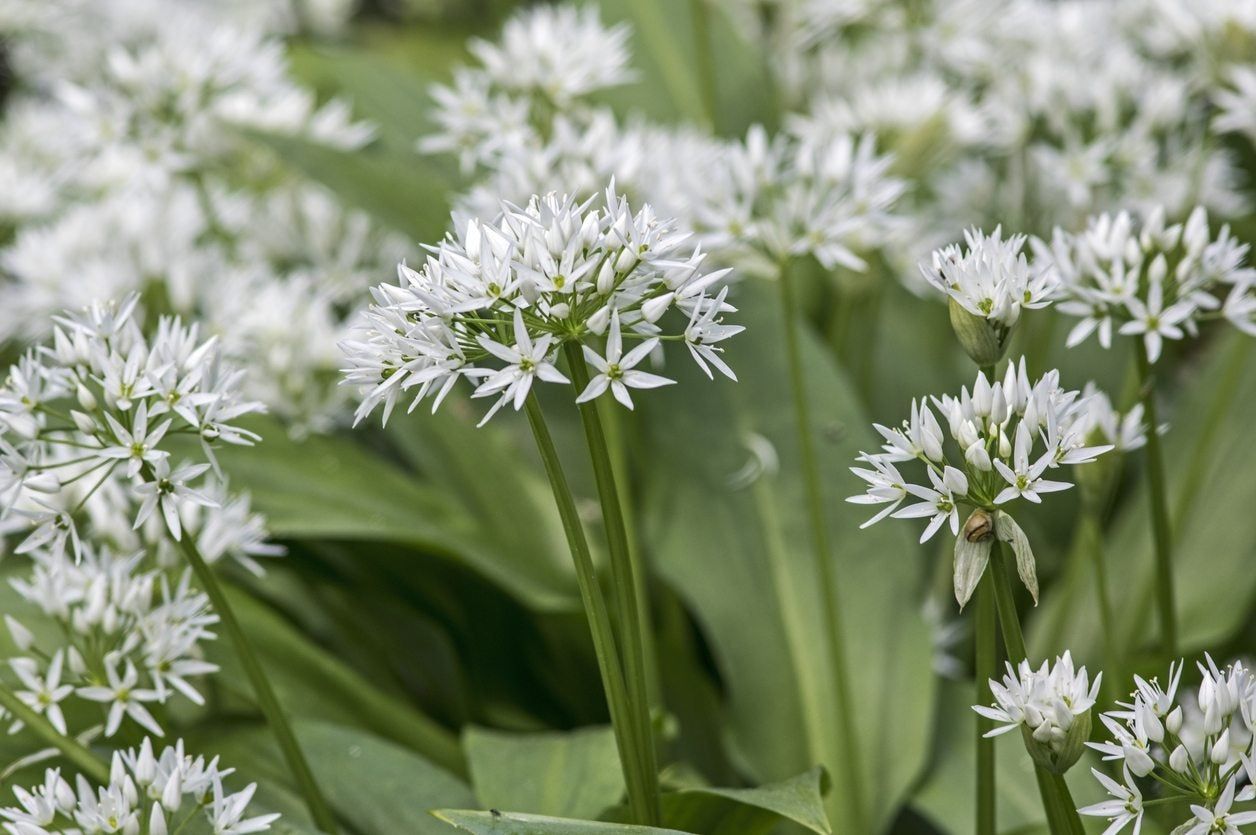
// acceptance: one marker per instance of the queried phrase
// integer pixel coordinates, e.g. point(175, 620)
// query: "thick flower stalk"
point(496, 304)
point(148, 793)
point(1051, 707)
point(1001, 443)
point(1186, 753)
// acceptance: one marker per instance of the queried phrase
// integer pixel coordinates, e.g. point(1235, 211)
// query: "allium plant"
point(1186, 752)
point(1152, 279)
point(496, 302)
point(88, 430)
point(148, 792)
point(1051, 707)
point(1002, 444)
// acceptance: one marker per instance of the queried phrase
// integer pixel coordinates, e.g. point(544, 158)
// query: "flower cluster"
point(494, 303)
point(532, 83)
point(148, 794)
point(1005, 439)
point(1198, 751)
point(89, 427)
point(1051, 705)
point(1152, 279)
point(142, 116)
point(988, 284)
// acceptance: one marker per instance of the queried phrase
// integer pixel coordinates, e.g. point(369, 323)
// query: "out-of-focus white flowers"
point(148, 791)
point(1198, 749)
point(494, 303)
point(1153, 280)
point(1051, 705)
point(1002, 443)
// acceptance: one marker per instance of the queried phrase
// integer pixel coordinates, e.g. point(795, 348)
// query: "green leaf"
point(325, 487)
point(375, 786)
point(514, 823)
point(1209, 459)
point(740, 558)
point(799, 799)
point(575, 774)
point(400, 189)
point(310, 683)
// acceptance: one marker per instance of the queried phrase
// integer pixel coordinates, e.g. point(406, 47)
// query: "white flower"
point(123, 697)
point(1219, 820)
point(1023, 478)
point(939, 501)
point(1125, 807)
point(617, 371)
point(43, 694)
point(168, 490)
point(991, 278)
point(525, 361)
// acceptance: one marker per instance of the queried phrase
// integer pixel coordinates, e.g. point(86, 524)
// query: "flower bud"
point(22, 637)
point(83, 423)
point(1173, 722)
point(85, 398)
point(1221, 748)
point(1058, 751)
point(984, 340)
point(1180, 760)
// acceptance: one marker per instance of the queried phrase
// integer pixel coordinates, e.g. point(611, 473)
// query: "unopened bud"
point(1180, 760)
point(1058, 749)
point(1221, 748)
point(1173, 722)
point(85, 398)
point(984, 340)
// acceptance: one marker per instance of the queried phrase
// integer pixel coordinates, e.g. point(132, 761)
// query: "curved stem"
point(630, 605)
point(1161, 535)
point(985, 636)
point(70, 748)
point(640, 800)
point(266, 699)
point(822, 556)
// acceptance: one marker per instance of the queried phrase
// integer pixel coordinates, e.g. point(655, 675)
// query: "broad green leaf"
point(1209, 459)
point(325, 487)
point(574, 774)
point(376, 787)
point(515, 823)
point(800, 799)
point(310, 683)
point(742, 560)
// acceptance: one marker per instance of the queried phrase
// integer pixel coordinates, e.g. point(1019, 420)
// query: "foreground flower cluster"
point(495, 302)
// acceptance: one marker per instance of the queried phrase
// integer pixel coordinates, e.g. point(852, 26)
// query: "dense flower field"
point(640, 416)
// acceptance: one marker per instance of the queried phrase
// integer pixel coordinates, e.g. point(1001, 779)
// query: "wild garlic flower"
point(813, 194)
point(495, 302)
point(549, 59)
point(100, 406)
point(1198, 750)
point(1050, 705)
point(1152, 280)
point(148, 793)
point(128, 638)
point(1237, 104)
point(1002, 443)
point(988, 283)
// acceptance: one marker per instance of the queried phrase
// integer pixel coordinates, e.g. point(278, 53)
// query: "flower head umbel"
point(150, 792)
point(1152, 280)
point(1196, 748)
point(1051, 705)
point(988, 283)
point(495, 303)
point(1002, 443)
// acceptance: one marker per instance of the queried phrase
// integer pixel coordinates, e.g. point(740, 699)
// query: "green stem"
point(630, 605)
point(266, 699)
point(604, 644)
point(1092, 533)
point(985, 636)
point(1061, 813)
point(705, 60)
point(70, 748)
point(850, 760)
point(1161, 535)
